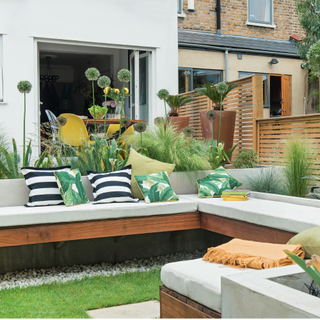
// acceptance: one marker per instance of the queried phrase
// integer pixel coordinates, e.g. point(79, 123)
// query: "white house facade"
point(64, 38)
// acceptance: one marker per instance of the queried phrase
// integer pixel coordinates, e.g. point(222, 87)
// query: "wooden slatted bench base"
point(243, 230)
point(57, 232)
point(175, 305)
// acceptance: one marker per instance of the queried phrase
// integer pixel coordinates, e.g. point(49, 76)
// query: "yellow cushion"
point(144, 165)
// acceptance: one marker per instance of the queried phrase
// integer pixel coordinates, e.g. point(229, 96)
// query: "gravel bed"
point(37, 277)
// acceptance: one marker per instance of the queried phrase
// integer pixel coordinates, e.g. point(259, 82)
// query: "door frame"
point(284, 94)
point(136, 56)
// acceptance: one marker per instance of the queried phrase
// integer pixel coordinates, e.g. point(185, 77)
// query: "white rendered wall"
point(149, 25)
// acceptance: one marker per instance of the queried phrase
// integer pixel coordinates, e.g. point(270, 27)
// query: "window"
point(1, 73)
point(179, 4)
point(260, 11)
point(265, 78)
point(190, 79)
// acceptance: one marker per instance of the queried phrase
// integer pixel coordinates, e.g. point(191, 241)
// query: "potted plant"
point(224, 123)
point(175, 102)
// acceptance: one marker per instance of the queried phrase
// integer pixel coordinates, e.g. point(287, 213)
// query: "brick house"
point(227, 40)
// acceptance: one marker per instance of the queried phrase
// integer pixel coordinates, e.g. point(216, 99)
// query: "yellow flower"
point(126, 90)
point(106, 90)
point(117, 91)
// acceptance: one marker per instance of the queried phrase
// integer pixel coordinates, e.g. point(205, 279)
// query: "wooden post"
point(257, 106)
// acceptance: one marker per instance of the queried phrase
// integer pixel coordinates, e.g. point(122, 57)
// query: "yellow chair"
point(74, 132)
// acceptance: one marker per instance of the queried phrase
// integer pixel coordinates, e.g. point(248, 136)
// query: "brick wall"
point(234, 18)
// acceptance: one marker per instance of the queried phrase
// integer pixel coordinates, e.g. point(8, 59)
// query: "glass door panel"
point(143, 88)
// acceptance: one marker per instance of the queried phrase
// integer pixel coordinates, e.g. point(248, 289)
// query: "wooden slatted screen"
point(272, 132)
point(246, 99)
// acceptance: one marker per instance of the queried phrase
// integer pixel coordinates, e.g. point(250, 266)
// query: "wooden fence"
point(246, 99)
point(272, 132)
point(267, 135)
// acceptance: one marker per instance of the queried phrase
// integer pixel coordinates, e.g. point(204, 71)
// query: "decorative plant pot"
point(97, 118)
point(179, 122)
point(228, 119)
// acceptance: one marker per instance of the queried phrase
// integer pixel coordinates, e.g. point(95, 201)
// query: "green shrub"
point(267, 180)
point(298, 161)
point(246, 159)
point(170, 146)
point(5, 145)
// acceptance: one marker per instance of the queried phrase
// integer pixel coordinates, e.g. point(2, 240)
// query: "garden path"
point(142, 310)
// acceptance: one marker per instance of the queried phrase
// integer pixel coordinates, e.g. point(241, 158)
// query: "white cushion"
point(20, 215)
point(198, 280)
point(274, 214)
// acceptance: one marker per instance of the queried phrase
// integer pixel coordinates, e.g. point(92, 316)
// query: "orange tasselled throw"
point(250, 254)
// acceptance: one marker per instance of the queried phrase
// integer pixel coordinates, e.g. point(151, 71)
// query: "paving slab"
point(142, 310)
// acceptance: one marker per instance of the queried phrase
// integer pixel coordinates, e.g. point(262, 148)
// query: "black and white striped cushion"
point(112, 187)
point(43, 186)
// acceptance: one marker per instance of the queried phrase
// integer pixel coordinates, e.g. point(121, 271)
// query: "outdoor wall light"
point(274, 61)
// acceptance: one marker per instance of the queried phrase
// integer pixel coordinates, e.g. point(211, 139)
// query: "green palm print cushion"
point(221, 172)
point(71, 187)
point(156, 187)
point(208, 187)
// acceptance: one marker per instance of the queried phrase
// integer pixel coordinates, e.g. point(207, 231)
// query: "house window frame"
point(180, 9)
point(248, 73)
point(179, 4)
point(261, 23)
point(191, 71)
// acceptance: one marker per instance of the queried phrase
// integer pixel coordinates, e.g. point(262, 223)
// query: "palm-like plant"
point(175, 102)
point(209, 90)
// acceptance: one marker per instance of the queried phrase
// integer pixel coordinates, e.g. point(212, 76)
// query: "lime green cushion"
point(310, 241)
point(221, 172)
point(209, 187)
point(71, 187)
point(156, 187)
point(142, 165)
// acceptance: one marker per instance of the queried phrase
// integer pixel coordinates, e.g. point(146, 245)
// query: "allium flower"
point(104, 82)
point(158, 121)
point(124, 75)
point(314, 58)
point(61, 121)
point(92, 74)
point(106, 90)
point(211, 114)
point(188, 131)
point(24, 86)
point(126, 122)
point(222, 87)
point(140, 127)
point(163, 94)
point(117, 91)
point(113, 104)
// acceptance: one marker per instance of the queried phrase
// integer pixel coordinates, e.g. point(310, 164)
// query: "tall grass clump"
point(267, 180)
point(167, 144)
point(298, 161)
point(5, 145)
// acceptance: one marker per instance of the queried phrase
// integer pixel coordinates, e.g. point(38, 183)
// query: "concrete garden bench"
point(192, 289)
point(265, 218)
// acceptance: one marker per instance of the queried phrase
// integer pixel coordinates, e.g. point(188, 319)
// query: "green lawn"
point(74, 298)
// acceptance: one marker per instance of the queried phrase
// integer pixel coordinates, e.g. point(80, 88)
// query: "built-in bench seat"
point(280, 215)
point(198, 280)
point(192, 289)
point(23, 216)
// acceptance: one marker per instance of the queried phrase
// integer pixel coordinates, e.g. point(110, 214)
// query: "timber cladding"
point(234, 18)
point(246, 100)
point(271, 134)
